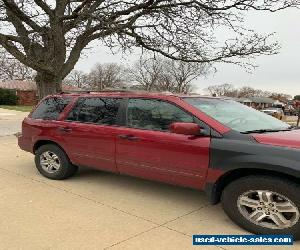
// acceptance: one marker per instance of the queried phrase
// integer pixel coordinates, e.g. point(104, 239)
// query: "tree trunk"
point(47, 84)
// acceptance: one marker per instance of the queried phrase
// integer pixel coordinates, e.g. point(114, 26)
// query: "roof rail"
point(113, 90)
point(96, 91)
point(74, 91)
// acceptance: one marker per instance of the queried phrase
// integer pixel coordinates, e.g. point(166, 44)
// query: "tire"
point(233, 198)
point(62, 167)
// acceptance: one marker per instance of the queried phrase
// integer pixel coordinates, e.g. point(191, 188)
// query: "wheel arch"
point(40, 143)
point(214, 191)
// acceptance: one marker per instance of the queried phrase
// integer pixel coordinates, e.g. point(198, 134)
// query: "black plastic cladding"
point(239, 151)
point(236, 151)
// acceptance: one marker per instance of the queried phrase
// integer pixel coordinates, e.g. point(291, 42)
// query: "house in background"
point(257, 102)
point(27, 91)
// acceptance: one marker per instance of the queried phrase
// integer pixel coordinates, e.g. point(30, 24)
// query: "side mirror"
point(185, 128)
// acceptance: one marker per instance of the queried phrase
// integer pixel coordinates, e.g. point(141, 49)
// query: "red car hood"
point(285, 138)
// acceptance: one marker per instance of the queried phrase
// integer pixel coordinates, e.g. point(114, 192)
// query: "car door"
point(147, 149)
point(89, 132)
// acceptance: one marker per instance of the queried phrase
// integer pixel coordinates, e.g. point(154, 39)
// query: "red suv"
point(244, 158)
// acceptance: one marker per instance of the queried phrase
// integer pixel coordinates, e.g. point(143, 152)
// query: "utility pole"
point(298, 108)
point(298, 116)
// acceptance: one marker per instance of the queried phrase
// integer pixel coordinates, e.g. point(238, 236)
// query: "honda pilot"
point(243, 158)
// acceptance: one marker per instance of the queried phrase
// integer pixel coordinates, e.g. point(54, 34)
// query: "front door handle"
point(128, 137)
point(65, 129)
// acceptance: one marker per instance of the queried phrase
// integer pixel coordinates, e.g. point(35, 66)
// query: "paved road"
point(10, 121)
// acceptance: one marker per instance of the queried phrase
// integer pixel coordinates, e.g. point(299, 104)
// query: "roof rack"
point(96, 91)
point(122, 90)
point(73, 91)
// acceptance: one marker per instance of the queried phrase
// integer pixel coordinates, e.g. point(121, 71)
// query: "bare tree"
point(251, 92)
point(146, 72)
point(246, 91)
point(108, 75)
point(12, 69)
point(157, 73)
point(166, 82)
point(77, 78)
point(184, 73)
point(49, 36)
point(281, 97)
point(222, 90)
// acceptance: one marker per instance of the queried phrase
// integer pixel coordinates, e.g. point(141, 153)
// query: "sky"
point(276, 73)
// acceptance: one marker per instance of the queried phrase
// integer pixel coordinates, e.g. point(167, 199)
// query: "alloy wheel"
point(50, 162)
point(268, 209)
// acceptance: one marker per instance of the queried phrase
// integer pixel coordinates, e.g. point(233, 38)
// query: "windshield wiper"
point(294, 127)
point(261, 131)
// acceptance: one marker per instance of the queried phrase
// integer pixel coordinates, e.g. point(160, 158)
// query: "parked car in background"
point(290, 110)
point(240, 156)
point(275, 112)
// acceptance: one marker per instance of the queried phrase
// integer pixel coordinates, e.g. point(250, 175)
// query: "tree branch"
point(44, 7)
point(13, 50)
point(15, 10)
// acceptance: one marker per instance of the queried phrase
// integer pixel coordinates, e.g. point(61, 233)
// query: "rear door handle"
point(128, 137)
point(65, 129)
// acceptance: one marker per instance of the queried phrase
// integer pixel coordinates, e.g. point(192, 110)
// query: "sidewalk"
point(10, 121)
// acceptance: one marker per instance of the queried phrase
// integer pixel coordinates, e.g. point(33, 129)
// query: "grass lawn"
point(17, 107)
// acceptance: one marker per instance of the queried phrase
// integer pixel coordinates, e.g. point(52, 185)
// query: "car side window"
point(154, 114)
point(50, 108)
point(95, 110)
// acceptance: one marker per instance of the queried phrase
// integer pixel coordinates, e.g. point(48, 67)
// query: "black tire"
point(235, 189)
point(66, 170)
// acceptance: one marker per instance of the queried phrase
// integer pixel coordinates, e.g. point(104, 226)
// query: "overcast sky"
point(278, 73)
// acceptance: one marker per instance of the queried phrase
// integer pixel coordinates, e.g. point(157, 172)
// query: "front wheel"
point(264, 205)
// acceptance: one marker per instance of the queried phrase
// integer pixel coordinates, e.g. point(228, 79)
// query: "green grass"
point(17, 108)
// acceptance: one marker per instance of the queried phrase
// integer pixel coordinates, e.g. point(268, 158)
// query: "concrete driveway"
point(98, 210)
point(10, 121)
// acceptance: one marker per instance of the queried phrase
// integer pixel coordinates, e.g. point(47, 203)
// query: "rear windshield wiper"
point(261, 131)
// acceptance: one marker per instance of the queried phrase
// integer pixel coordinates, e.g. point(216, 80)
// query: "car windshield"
point(237, 116)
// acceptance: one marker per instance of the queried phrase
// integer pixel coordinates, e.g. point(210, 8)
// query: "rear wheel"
point(53, 163)
point(264, 205)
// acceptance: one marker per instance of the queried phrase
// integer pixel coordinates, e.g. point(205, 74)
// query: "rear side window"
point(50, 108)
point(96, 110)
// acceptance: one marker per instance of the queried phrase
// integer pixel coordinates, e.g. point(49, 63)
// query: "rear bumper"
point(25, 143)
